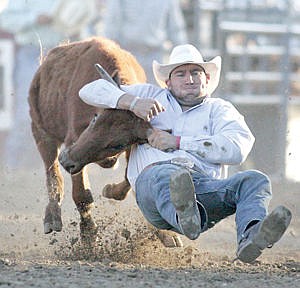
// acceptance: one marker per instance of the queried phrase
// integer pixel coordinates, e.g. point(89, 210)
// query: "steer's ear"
point(115, 76)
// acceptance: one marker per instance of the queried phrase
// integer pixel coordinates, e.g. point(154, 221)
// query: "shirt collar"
point(170, 96)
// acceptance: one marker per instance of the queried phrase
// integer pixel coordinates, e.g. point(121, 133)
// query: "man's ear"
point(168, 83)
point(207, 77)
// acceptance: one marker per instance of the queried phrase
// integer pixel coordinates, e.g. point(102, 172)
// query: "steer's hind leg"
point(84, 201)
point(49, 148)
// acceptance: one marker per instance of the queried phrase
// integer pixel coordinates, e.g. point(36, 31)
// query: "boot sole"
point(182, 193)
point(270, 231)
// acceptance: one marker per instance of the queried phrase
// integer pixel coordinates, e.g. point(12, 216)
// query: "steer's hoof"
point(88, 232)
point(112, 191)
point(53, 226)
point(52, 221)
point(169, 238)
point(108, 162)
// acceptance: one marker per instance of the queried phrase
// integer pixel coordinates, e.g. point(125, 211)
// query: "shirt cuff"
point(101, 93)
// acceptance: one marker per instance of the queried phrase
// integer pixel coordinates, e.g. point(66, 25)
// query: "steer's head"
point(108, 134)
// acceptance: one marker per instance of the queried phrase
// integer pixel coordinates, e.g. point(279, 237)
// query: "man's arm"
point(230, 141)
point(101, 93)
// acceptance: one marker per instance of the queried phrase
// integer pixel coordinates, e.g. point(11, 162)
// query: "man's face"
point(188, 84)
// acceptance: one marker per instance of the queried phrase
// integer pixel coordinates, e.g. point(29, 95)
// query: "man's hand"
point(143, 108)
point(147, 108)
point(162, 140)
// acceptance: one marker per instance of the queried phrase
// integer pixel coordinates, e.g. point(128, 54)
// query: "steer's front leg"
point(116, 191)
point(49, 148)
point(84, 201)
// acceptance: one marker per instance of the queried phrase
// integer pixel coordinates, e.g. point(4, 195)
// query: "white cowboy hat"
point(185, 54)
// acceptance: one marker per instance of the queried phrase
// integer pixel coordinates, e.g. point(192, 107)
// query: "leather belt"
point(181, 162)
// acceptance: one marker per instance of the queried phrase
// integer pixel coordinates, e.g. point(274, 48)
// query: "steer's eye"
point(118, 147)
point(95, 118)
point(93, 121)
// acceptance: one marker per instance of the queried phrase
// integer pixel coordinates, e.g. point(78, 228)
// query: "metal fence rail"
point(259, 44)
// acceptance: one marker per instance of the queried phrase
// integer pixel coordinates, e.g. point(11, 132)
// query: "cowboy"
point(180, 175)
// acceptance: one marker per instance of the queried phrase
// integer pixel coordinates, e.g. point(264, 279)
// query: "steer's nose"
point(65, 161)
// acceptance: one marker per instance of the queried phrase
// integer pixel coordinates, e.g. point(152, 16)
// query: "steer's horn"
point(104, 75)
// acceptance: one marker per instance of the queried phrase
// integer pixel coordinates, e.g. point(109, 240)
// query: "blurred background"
point(259, 42)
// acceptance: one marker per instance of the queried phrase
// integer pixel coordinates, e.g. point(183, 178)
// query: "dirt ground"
point(127, 253)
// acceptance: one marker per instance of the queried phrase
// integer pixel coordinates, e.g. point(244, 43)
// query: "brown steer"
point(89, 134)
point(59, 117)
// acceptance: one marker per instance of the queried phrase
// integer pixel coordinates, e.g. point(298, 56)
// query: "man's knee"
point(257, 179)
point(258, 175)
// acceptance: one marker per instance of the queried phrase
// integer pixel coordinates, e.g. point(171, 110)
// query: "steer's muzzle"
point(69, 165)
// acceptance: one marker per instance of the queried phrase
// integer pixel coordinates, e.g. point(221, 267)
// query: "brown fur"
point(60, 117)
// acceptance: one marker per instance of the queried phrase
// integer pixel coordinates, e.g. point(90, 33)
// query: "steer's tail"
point(33, 98)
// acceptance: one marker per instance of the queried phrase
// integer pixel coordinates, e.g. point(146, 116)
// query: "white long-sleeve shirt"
point(213, 133)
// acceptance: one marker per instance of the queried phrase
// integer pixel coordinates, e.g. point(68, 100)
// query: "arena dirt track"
point(127, 253)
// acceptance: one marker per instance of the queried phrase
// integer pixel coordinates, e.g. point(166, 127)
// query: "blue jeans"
point(246, 193)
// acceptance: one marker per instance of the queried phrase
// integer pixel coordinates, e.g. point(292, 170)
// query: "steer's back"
point(54, 103)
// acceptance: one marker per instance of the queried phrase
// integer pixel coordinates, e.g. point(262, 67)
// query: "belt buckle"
point(184, 162)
